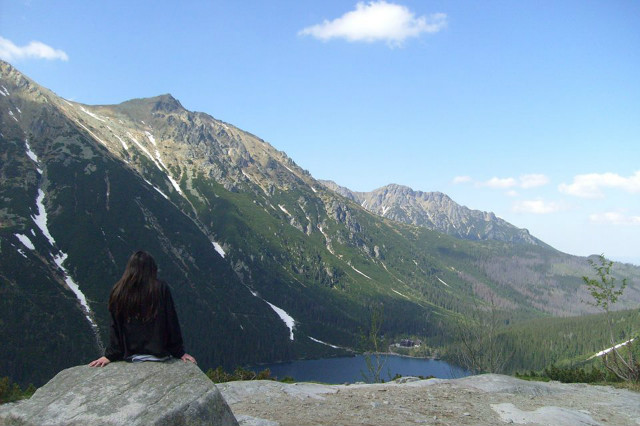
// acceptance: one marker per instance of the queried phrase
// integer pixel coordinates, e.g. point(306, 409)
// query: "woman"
point(144, 324)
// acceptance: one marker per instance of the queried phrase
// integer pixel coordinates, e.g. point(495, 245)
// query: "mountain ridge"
point(436, 211)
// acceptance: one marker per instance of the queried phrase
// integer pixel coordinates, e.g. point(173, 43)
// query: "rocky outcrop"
point(171, 393)
point(488, 400)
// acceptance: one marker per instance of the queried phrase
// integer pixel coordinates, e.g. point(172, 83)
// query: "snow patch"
point(324, 343)
point(124, 144)
point(159, 163)
point(156, 188)
point(403, 295)
point(284, 210)
point(246, 175)
point(139, 145)
point(174, 183)
point(327, 240)
point(4, 91)
point(12, 116)
point(285, 317)
point(606, 351)
point(91, 133)
point(30, 153)
point(40, 219)
point(25, 241)
point(97, 117)
point(313, 189)
point(361, 273)
point(442, 281)
point(219, 249)
point(151, 138)
point(161, 193)
point(59, 260)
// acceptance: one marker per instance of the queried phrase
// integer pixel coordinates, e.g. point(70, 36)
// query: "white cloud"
point(592, 185)
point(512, 193)
point(615, 218)
point(524, 182)
point(500, 183)
point(533, 181)
point(462, 179)
point(33, 50)
point(377, 21)
point(536, 207)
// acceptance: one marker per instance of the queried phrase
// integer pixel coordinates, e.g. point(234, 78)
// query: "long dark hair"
point(137, 294)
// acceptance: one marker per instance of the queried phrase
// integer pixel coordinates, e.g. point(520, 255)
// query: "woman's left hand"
point(188, 358)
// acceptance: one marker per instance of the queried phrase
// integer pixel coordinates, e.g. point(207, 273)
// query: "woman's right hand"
point(188, 358)
point(100, 362)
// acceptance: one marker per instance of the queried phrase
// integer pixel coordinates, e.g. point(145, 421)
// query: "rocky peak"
point(436, 211)
point(158, 104)
point(166, 103)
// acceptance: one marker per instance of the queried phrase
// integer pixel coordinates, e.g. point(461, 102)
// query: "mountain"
point(264, 262)
point(436, 211)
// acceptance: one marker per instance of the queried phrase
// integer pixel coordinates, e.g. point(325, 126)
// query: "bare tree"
point(620, 359)
point(479, 350)
point(373, 343)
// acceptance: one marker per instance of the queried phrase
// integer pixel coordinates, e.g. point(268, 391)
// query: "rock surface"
point(476, 400)
point(171, 393)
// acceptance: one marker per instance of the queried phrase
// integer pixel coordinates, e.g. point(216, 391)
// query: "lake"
point(350, 369)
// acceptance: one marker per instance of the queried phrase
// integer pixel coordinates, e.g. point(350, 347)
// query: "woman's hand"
point(100, 362)
point(188, 358)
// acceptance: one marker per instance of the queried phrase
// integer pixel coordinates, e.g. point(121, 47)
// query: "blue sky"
point(528, 109)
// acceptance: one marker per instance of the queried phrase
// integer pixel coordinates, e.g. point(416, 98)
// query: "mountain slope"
point(264, 262)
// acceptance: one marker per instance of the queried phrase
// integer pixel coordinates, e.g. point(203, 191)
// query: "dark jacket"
point(160, 337)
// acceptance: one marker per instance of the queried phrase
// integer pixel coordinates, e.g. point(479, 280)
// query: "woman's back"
point(143, 317)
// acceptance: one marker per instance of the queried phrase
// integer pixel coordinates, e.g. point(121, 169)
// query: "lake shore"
point(354, 369)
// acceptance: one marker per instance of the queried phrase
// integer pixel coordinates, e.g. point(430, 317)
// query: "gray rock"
point(492, 383)
point(557, 416)
point(254, 421)
point(148, 393)
point(407, 379)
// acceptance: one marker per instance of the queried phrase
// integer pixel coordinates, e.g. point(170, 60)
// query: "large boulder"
point(148, 393)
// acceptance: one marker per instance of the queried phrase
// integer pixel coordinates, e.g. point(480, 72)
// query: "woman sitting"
point(144, 323)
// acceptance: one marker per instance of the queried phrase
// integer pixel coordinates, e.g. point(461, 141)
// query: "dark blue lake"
point(350, 369)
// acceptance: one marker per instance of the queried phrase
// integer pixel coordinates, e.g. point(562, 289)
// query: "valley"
point(265, 262)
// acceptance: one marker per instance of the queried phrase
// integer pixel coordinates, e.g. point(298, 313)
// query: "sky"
point(527, 109)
